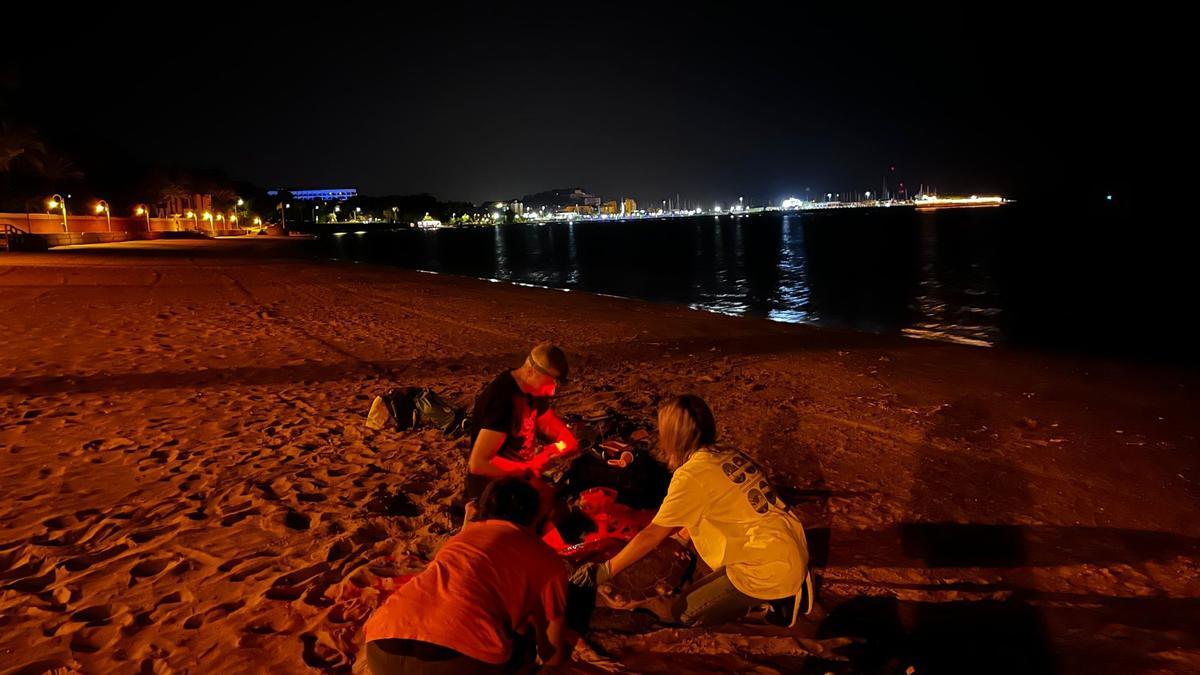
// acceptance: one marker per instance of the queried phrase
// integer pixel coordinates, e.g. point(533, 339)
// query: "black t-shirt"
point(503, 407)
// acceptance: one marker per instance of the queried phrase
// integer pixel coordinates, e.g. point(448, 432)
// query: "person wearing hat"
point(511, 416)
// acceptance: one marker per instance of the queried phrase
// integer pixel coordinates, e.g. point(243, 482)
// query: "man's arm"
point(555, 643)
point(551, 426)
point(485, 461)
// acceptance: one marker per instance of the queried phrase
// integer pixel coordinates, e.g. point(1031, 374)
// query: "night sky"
point(481, 103)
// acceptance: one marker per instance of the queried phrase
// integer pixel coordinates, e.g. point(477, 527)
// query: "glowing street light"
point(141, 210)
point(57, 202)
point(192, 215)
point(102, 207)
point(209, 217)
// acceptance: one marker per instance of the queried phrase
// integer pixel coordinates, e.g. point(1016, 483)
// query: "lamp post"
point(314, 212)
point(57, 202)
point(220, 217)
point(141, 210)
point(102, 207)
point(209, 217)
point(192, 215)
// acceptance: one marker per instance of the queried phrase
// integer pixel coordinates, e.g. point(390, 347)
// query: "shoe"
point(787, 611)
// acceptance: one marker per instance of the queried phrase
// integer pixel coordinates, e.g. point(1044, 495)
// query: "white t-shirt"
point(737, 522)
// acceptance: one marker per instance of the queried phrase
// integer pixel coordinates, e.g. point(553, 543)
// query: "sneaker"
point(787, 611)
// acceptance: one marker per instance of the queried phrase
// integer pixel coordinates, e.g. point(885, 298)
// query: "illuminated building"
point(325, 195)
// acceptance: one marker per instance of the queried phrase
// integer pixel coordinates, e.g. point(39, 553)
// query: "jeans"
point(411, 657)
point(712, 601)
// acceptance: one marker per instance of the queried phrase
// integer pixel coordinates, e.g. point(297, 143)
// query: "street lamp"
point(220, 217)
point(102, 207)
point(57, 202)
point(315, 207)
point(192, 215)
point(208, 216)
point(141, 210)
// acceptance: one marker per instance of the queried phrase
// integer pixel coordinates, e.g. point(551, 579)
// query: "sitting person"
point(508, 418)
point(738, 525)
point(492, 592)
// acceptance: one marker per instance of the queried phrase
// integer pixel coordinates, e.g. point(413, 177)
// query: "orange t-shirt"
point(485, 582)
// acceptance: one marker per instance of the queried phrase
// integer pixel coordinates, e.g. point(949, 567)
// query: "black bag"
point(421, 407)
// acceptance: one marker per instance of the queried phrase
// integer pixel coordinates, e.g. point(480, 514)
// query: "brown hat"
point(548, 359)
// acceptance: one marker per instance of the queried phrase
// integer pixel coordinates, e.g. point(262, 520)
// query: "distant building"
point(610, 208)
point(326, 195)
point(628, 206)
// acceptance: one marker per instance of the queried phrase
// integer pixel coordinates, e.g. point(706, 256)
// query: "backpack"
point(414, 408)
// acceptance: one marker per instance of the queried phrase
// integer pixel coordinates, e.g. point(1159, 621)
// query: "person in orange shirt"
point(493, 593)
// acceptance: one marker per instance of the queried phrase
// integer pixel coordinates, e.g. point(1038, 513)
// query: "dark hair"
point(510, 499)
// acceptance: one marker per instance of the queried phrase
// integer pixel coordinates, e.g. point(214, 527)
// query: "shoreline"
point(196, 465)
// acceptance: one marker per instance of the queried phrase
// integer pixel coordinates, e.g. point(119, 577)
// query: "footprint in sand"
point(143, 536)
point(293, 585)
point(97, 615)
point(319, 654)
point(80, 563)
point(92, 640)
point(234, 562)
point(296, 520)
point(149, 568)
point(235, 518)
point(213, 614)
point(250, 571)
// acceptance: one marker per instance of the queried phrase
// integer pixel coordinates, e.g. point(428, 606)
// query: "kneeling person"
point(509, 417)
point(491, 591)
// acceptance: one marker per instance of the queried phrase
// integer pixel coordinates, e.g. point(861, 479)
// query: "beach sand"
point(187, 485)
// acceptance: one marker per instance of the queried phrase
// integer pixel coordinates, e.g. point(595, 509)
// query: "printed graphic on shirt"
point(739, 469)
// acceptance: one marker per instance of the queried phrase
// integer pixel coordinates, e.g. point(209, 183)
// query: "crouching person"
point(738, 525)
point(492, 600)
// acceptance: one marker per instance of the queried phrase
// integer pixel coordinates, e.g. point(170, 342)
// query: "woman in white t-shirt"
point(738, 525)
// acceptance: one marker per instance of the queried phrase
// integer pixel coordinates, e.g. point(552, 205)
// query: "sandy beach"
point(187, 484)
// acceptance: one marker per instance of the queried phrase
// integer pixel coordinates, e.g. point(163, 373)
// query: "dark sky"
point(484, 102)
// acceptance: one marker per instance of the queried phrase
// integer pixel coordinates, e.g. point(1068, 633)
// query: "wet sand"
point(187, 484)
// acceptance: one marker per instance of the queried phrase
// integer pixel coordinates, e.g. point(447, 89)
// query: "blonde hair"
point(685, 424)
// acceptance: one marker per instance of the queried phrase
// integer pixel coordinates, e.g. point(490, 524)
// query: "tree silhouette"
point(18, 142)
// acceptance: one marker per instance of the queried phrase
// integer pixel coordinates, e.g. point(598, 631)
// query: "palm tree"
point(57, 169)
point(173, 190)
point(17, 142)
point(223, 196)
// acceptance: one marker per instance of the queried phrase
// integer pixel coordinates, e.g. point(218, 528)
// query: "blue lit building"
point(326, 195)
